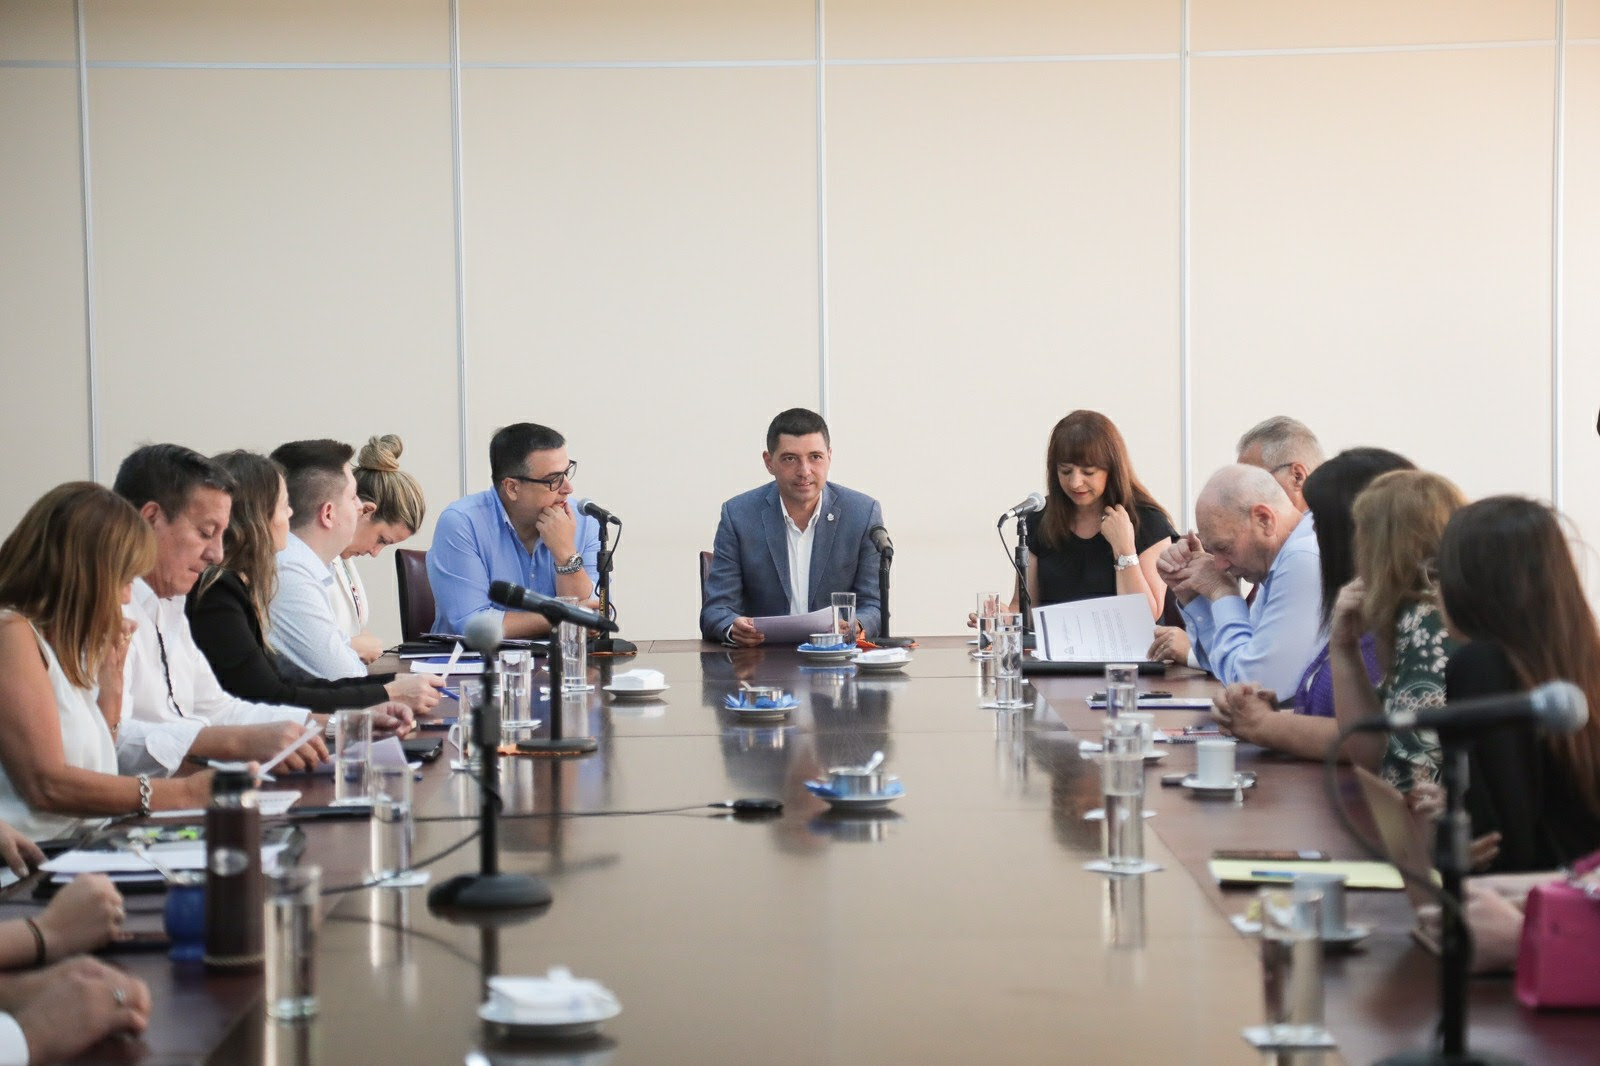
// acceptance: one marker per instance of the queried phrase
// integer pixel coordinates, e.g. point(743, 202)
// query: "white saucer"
point(893, 791)
point(586, 1025)
point(1349, 936)
point(635, 693)
point(1192, 783)
point(893, 666)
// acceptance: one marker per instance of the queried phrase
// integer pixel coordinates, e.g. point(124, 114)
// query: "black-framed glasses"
point(553, 482)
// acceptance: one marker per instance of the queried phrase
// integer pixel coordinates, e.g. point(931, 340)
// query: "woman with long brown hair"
point(1511, 592)
point(65, 572)
point(228, 607)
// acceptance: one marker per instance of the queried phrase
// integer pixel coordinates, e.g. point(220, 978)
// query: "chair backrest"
point(416, 595)
point(705, 576)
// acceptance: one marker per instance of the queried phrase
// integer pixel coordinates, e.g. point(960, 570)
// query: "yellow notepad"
point(1267, 872)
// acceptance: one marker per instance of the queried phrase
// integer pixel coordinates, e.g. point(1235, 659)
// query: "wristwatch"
point(572, 565)
point(1125, 561)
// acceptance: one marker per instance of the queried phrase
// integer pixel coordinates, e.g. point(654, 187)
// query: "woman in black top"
point(1101, 531)
point(228, 608)
point(1508, 585)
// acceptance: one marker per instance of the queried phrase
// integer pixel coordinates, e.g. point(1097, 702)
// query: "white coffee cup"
point(1331, 885)
point(1214, 762)
point(1147, 728)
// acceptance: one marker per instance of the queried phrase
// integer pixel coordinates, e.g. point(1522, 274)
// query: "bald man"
point(1248, 530)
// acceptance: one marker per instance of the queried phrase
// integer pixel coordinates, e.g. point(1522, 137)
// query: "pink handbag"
point(1558, 960)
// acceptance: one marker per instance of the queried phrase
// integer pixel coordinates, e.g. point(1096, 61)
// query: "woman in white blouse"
point(65, 572)
point(394, 512)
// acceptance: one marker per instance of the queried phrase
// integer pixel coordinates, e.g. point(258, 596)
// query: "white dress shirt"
point(350, 605)
point(799, 559)
point(159, 724)
point(13, 1045)
point(305, 629)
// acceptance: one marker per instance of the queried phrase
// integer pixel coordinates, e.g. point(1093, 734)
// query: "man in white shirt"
point(173, 705)
point(322, 494)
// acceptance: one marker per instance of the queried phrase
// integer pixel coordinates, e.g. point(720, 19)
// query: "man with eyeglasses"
point(522, 530)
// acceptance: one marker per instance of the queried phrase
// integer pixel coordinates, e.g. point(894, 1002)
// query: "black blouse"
point(1085, 568)
point(1515, 785)
point(229, 634)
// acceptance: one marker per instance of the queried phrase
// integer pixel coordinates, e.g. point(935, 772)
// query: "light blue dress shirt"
point(1274, 639)
point(475, 543)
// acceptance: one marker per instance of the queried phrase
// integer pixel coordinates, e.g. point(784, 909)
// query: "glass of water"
point(352, 748)
point(1007, 650)
point(989, 605)
point(460, 734)
point(1122, 785)
point(844, 615)
point(516, 678)
point(574, 640)
point(392, 825)
point(1122, 688)
point(292, 942)
point(1291, 969)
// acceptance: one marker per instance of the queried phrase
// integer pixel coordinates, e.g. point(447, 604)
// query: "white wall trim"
point(823, 367)
point(1557, 259)
point(1185, 409)
point(458, 207)
point(86, 188)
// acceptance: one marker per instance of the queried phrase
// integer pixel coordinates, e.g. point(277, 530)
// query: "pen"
point(451, 693)
point(1276, 875)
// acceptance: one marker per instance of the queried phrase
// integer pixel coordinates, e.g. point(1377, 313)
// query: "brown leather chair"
point(416, 595)
point(705, 575)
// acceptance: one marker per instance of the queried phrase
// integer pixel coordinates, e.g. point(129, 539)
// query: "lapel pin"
point(830, 516)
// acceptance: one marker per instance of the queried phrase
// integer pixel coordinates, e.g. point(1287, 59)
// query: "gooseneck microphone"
point(1034, 502)
point(598, 513)
point(1556, 706)
point(885, 547)
point(880, 540)
point(508, 595)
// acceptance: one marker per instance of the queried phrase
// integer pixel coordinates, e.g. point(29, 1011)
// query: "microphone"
point(1558, 706)
point(880, 540)
point(1034, 502)
point(508, 595)
point(485, 630)
point(598, 513)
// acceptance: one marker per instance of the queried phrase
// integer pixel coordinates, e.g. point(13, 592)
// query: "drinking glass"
point(1122, 786)
point(460, 735)
point(1007, 650)
point(989, 605)
point(516, 679)
point(352, 747)
point(392, 825)
point(292, 943)
point(1122, 688)
point(844, 615)
point(1291, 969)
point(574, 640)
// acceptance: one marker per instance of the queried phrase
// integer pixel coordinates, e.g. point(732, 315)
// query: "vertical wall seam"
point(822, 213)
point(1185, 414)
point(459, 220)
point(86, 187)
point(1557, 248)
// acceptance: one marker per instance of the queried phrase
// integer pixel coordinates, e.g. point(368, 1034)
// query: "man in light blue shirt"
point(522, 530)
point(1249, 530)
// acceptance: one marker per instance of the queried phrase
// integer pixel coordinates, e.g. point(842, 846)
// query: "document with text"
point(1110, 629)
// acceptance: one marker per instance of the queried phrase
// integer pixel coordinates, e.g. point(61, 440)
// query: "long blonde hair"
point(1399, 519)
point(64, 568)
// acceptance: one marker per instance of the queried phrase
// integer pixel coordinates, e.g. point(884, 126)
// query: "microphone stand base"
point(612, 646)
point(1421, 1057)
point(477, 893)
point(893, 642)
point(558, 746)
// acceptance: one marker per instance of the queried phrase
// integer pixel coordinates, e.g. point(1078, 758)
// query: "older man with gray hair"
point(1286, 449)
point(1248, 530)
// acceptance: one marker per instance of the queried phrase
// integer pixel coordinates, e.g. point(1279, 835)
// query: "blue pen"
point(452, 693)
point(1280, 875)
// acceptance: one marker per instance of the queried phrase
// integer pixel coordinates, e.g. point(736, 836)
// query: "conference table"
point(957, 926)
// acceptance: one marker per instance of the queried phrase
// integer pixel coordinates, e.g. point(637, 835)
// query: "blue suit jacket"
point(750, 571)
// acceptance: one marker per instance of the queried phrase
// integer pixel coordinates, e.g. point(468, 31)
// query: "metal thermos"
point(234, 918)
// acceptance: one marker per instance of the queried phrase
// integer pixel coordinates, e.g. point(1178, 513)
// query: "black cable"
point(585, 814)
point(499, 800)
point(410, 931)
point(373, 882)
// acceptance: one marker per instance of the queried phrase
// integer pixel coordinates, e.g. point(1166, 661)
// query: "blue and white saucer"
point(892, 791)
point(829, 654)
point(760, 710)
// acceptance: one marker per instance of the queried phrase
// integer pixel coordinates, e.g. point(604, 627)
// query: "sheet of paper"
point(442, 666)
point(273, 804)
point(182, 855)
point(1164, 703)
point(1110, 629)
point(795, 628)
point(1270, 871)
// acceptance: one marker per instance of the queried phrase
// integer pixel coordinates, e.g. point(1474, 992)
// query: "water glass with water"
point(844, 615)
point(989, 605)
point(460, 734)
point(516, 681)
point(292, 942)
point(1291, 968)
point(1122, 786)
point(1122, 688)
point(574, 641)
point(392, 824)
point(1008, 660)
point(352, 753)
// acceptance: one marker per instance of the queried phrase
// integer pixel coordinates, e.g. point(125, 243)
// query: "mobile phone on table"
point(1270, 855)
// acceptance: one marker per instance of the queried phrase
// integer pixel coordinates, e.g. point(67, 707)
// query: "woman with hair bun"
point(395, 508)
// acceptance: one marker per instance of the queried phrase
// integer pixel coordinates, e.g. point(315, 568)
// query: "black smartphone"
point(1270, 855)
point(424, 749)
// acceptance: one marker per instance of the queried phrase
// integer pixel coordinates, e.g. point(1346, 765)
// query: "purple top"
point(1314, 694)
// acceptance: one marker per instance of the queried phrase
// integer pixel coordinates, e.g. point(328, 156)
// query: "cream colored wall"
point(981, 217)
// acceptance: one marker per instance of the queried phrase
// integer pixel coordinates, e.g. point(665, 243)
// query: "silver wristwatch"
point(1125, 561)
point(571, 566)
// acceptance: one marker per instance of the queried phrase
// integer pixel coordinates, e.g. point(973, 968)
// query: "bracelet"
point(144, 794)
point(38, 941)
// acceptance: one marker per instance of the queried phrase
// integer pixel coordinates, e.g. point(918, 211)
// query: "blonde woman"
point(1399, 521)
point(65, 571)
point(394, 511)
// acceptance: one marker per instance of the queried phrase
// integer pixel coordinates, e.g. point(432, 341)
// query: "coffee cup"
point(763, 696)
point(1147, 729)
point(1331, 886)
point(1214, 763)
point(827, 640)
point(857, 780)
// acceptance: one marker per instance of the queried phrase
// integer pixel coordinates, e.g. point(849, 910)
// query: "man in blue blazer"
point(786, 547)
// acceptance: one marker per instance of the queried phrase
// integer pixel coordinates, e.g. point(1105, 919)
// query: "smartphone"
point(1268, 855)
point(135, 941)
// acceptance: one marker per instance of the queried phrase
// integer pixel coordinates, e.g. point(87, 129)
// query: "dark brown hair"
point(1089, 438)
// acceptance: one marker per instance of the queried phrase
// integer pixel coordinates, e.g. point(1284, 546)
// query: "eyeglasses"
point(553, 482)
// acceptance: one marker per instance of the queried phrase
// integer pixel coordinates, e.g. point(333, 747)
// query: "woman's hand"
point(1349, 617)
point(85, 914)
point(19, 853)
point(1117, 528)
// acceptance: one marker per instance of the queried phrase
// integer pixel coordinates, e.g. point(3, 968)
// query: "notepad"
point(1375, 875)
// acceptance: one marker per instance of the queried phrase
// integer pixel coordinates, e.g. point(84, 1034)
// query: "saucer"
point(635, 693)
point(1192, 783)
point(1348, 937)
point(891, 792)
point(842, 651)
point(744, 710)
point(497, 1013)
point(883, 661)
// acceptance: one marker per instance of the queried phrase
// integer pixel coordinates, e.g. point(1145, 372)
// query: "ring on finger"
point(119, 995)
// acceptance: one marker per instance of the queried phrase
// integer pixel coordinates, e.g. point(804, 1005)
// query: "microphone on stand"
point(602, 588)
point(880, 540)
point(1034, 502)
point(488, 890)
point(508, 595)
point(1557, 706)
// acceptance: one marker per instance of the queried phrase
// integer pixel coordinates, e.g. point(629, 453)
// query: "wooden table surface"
point(958, 927)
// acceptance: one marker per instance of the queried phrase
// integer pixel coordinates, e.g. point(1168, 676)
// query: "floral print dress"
point(1422, 649)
